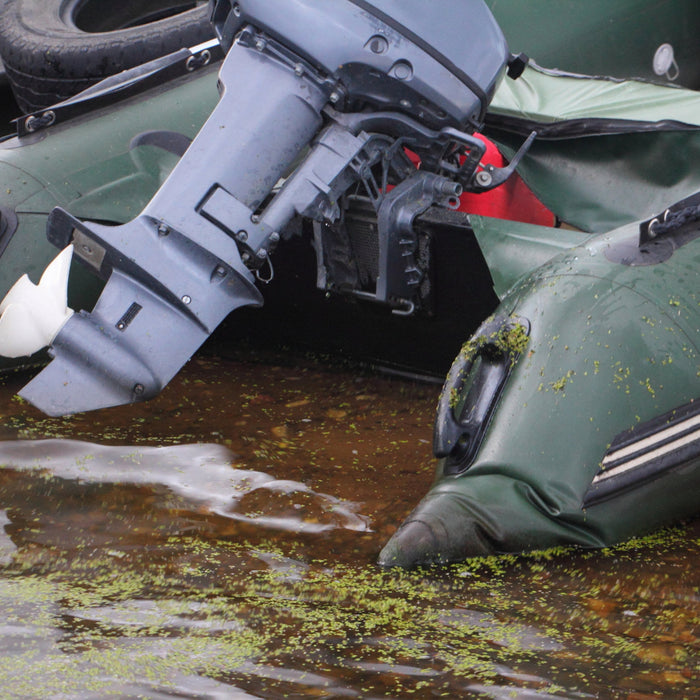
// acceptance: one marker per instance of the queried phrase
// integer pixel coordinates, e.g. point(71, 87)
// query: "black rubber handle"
point(472, 388)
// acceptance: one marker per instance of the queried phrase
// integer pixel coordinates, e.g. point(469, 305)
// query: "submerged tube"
point(594, 435)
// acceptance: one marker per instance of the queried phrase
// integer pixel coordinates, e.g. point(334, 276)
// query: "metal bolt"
point(138, 389)
point(405, 104)
point(163, 230)
point(236, 10)
point(260, 44)
point(245, 257)
point(299, 69)
point(483, 178)
point(255, 218)
point(334, 97)
point(187, 299)
point(262, 253)
point(274, 237)
point(220, 271)
point(242, 236)
point(402, 70)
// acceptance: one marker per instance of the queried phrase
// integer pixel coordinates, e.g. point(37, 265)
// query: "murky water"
point(219, 542)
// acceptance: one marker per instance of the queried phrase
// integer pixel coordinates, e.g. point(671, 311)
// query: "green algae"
point(126, 591)
point(510, 338)
point(191, 612)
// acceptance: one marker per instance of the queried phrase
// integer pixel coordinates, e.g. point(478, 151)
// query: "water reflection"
point(220, 542)
point(201, 475)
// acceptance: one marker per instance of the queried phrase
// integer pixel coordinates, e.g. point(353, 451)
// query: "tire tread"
point(49, 63)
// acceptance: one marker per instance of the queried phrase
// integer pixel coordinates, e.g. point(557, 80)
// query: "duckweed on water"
point(133, 591)
point(224, 610)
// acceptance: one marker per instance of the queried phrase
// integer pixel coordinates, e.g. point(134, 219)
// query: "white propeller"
point(31, 315)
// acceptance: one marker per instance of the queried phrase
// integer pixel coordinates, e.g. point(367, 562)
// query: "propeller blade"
point(32, 314)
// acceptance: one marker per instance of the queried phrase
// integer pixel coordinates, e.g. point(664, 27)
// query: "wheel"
point(53, 49)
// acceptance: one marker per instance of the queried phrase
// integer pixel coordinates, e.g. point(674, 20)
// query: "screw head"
point(484, 178)
point(163, 230)
point(187, 299)
point(402, 70)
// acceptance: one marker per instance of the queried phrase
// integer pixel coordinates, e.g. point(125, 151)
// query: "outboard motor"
point(319, 103)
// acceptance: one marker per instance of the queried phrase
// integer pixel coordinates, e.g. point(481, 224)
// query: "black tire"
point(53, 49)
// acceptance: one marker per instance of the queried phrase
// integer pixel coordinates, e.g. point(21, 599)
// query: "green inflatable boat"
point(380, 167)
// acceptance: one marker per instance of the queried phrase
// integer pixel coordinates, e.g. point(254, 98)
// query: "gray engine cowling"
point(384, 54)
